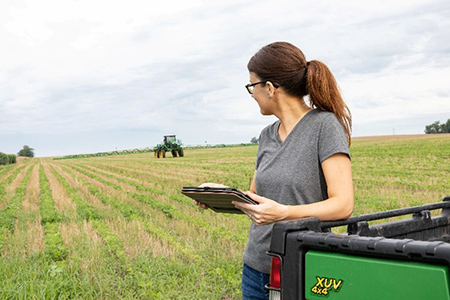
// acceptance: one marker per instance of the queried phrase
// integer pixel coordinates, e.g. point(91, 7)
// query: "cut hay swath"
point(117, 227)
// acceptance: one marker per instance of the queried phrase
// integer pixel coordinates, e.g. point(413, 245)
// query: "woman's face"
point(260, 94)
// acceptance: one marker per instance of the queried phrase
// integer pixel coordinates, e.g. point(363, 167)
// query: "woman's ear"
point(271, 90)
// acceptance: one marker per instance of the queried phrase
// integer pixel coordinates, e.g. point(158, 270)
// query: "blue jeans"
point(253, 283)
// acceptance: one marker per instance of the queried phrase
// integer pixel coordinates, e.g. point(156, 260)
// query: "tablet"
point(218, 199)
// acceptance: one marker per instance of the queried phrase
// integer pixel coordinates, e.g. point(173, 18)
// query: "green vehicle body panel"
point(342, 276)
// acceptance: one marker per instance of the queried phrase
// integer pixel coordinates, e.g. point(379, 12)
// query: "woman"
point(303, 164)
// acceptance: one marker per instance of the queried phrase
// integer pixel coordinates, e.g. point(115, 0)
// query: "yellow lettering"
point(324, 285)
point(328, 283)
point(337, 285)
point(319, 281)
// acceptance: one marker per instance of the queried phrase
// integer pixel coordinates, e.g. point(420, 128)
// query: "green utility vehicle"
point(404, 259)
point(169, 144)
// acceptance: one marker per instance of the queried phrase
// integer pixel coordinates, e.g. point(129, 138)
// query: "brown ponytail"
point(285, 65)
point(324, 94)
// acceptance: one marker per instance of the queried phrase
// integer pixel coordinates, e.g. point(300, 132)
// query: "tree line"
point(6, 159)
point(437, 127)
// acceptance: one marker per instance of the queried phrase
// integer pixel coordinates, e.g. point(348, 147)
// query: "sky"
point(79, 76)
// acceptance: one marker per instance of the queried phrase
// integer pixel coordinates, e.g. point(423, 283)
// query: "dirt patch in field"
point(18, 180)
point(84, 244)
point(31, 201)
point(138, 242)
point(101, 174)
point(84, 189)
point(26, 239)
point(75, 233)
point(107, 190)
point(6, 175)
point(21, 159)
point(10, 189)
point(35, 239)
point(61, 199)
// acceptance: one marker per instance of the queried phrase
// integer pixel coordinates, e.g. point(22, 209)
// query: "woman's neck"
point(291, 111)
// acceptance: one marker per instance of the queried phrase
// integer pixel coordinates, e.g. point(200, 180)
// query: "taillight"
point(275, 273)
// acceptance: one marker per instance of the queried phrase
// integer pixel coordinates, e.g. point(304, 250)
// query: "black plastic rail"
point(387, 214)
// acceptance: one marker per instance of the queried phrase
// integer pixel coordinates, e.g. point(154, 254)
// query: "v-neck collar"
point(280, 142)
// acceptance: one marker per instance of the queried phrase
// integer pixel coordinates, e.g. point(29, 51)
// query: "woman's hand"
point(267, 212)
point(208, 184)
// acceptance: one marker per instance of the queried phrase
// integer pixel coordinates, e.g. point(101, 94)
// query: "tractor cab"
point(170, 140)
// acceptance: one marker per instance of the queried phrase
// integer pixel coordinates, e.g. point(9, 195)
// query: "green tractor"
point(169, 144)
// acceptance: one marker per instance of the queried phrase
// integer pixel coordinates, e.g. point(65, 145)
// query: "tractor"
point(169, 144)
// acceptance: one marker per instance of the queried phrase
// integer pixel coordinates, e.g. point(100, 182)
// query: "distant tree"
point(254, 140)
point(7, 158)
point(446, 126)
point(437, 127)
point(433, 128)
point(12, 158)
point(26, 151)
point(3, 159)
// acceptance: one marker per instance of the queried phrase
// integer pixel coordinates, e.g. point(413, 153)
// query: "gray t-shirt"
point(290, 172)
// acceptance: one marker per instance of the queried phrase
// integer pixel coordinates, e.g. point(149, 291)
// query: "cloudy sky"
point(93, 76)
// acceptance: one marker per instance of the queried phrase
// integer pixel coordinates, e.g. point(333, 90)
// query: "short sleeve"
point(332, 138)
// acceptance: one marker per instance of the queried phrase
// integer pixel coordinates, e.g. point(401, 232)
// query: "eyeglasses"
point(250, 86)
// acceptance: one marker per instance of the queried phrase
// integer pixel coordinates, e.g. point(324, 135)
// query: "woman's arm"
point(339, 205)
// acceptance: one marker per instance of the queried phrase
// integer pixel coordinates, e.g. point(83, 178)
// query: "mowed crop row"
point(117, 227)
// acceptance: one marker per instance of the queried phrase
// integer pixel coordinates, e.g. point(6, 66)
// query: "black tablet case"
point(218, 199)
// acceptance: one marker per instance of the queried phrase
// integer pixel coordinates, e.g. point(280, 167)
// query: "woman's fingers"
point(202, 205)
point(266, 212)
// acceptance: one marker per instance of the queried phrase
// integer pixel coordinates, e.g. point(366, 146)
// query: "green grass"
point(393, 173)
point(117, 227)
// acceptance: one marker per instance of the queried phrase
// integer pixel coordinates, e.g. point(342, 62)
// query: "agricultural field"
point(117, 227)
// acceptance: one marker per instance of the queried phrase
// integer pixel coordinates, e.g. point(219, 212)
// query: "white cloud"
point(83, 67)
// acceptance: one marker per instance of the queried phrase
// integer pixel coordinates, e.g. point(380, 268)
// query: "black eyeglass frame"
point(250, 85)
